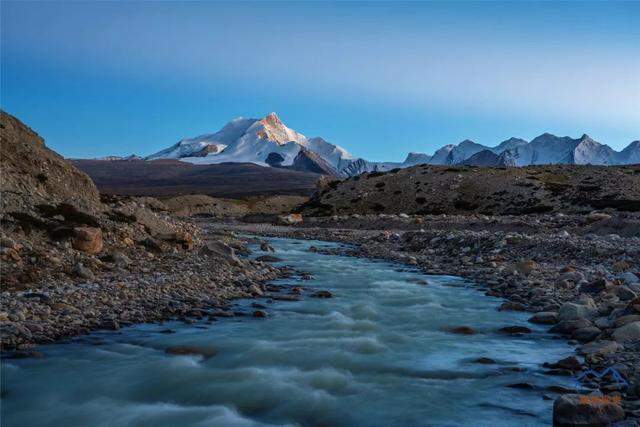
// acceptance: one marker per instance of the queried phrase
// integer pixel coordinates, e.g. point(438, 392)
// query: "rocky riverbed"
point(578, 274)
point(124, 289)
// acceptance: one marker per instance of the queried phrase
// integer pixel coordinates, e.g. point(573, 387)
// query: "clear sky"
point(380, 79)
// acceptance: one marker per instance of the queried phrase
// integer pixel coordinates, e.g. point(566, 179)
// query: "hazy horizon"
point(379, 79)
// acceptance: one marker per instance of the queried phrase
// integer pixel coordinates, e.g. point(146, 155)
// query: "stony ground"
point(143, 286)
point(577, 273)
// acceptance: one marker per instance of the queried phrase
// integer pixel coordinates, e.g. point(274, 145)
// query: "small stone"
point(83, 272)
point(484, 361)
point(259, 313)
point(255, 290)
point(462, 330)
point(515, 330)
point(322, 294)
point(120, 259)
point(186, 350)
point(265, 247)
point(268, 258)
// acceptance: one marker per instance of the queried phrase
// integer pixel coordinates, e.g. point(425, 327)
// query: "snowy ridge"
point(254, 140)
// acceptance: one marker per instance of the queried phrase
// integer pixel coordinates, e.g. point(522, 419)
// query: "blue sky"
point(381, 79)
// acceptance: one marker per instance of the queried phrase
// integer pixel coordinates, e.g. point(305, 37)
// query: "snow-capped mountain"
point(115, 158)
point(630, 155)
point(269, 142)
point(489, 158)
point(463, 151)
point(254, 141)
point(544, 149)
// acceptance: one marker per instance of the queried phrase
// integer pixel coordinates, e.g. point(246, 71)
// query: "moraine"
point(376, 354)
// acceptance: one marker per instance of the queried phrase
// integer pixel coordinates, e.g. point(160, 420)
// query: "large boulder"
point(221, 251)
point(628, 333)
point(290, 219)
point(586, 410)
point(87, 239)
point(574, 311)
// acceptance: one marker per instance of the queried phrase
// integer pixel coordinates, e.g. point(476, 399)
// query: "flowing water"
point(377, 354)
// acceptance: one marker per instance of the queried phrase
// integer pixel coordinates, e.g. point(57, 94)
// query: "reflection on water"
point(377, 354)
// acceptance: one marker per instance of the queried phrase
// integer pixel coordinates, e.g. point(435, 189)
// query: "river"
point(378, 353)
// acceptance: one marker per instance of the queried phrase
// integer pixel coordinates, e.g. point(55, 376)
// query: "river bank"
point(576, 274)
point(137, 286)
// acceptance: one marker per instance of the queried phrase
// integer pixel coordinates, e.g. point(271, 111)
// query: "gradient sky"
point(380, 79)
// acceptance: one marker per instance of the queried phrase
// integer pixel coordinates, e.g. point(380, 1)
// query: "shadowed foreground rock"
point(586, 410)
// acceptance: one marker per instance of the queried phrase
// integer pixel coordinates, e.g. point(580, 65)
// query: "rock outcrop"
point(33, 175)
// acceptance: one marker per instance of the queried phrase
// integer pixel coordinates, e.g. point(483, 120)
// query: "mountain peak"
point(272, 119)
point(467, 142)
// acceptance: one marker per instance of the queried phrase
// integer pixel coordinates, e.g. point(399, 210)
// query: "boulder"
point(568, 326)
point(595, 287)
point(629, 278)
point(322, 294)
point(516, 329)
point(625, 293)
point(545, 318)
point(187, 350)
point(290, 219)
point(180, 237)
point(623, 320)
point(119, 259)
point(586, 410)
point(87, 239)
point(83, 272)
point(574, 311)
point(571, 363)
point(597, 216)
point(268, 258)
point(587, 334)
point(628, 333)
point(152, 245)
point(599, 348)
point(526, 267)
point(222, 251)
point(462, 330)
point(620, 266)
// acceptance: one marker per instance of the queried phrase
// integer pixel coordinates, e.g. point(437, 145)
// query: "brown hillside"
point(508, 191)
point(31, 174)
